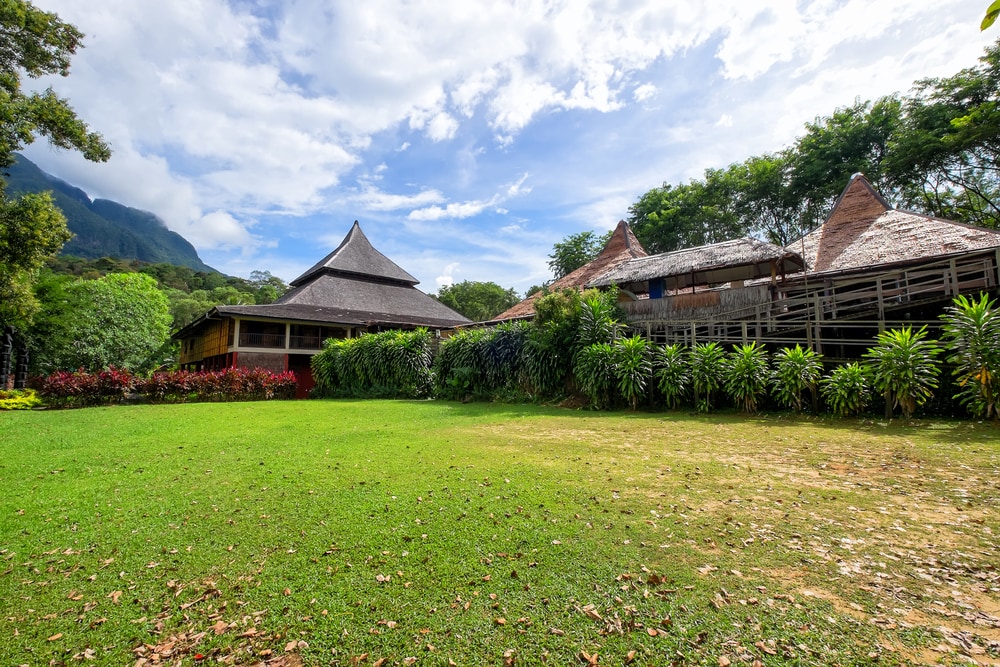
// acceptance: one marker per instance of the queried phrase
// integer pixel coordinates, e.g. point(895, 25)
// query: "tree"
point(479, 301)
point(576, 250)
point(34, 43)
point(853, 139)
point(120, 320)
point(31, 230)
point(946, 158)
point(672, 217)
point(991, 15)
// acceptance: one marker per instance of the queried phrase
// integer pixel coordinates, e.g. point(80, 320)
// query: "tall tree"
point(479, 301)
point(120, 320)
point(672, 217)
point(947, 157)
point(576, 250)
point(34, 43)
point(853, 139)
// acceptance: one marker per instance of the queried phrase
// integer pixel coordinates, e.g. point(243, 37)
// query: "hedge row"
point(78, 389)
point(390, 364)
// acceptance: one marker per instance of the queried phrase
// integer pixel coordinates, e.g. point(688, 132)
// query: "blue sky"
point(466, 137)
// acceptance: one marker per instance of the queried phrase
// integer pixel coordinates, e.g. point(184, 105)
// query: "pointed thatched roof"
point(739, 259)
point(621, 247)
point(355, 285)
point(864, 231)
point(356, 256)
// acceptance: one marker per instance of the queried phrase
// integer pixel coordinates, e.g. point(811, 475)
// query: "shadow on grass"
point(946, 429)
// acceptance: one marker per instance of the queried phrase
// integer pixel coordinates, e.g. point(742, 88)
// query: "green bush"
point(903, 368)
point(385, 364)
point(972, 338)
point(707, 363)
point(796, 370)
point(633, 369)
point(672, 373)
point(747, 374)
point(595, 373)
point(19, 399)
point(847, 390)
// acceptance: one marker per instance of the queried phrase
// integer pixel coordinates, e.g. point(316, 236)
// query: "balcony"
point(305, 342)
point(268, 340)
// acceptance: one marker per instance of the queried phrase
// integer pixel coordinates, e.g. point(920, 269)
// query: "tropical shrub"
point(19, 399)
point(386, 364)
point(595, 373)
point(672, 373)
point(707, 363)
point(971, 335)
point(81, 389)
point(903, 368)
point(598, 320)
point(747, 373)
point(847, 390)
point(633, 369)
point(796, 370)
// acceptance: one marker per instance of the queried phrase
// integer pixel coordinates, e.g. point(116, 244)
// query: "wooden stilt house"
point(867, 268)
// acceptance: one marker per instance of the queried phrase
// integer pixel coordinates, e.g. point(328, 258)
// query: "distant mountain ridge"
point(104, 228)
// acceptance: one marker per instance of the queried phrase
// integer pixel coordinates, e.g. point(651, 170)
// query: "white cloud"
point(447, 278)
point(250, 109)
point(371, 199)
point(453, 211)
point(644, 92)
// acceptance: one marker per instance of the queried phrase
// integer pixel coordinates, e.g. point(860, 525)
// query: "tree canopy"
point(936, 151)
point(34, 43)
point(120, 320)
point(479, 301)
point(576, 250)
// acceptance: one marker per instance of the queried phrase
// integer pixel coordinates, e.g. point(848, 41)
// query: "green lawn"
point(393, 532)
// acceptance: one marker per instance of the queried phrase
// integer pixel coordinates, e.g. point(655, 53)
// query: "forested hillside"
point(103, 228)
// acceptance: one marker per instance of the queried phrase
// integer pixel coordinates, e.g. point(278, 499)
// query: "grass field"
point(431, 533)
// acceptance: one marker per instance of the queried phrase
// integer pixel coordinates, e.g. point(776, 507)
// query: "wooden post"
point(818, 313)
point(953, 271)
point(881, 302)
point(744, 328)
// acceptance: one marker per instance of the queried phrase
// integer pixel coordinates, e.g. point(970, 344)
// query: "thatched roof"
point(356, 256)
point(864, 231)
point(340, 290)
point(621, 247)
point(739, 259)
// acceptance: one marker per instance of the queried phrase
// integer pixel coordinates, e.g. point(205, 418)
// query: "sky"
point(467, 137)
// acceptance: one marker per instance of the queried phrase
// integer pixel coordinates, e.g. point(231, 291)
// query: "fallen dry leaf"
point(54, 637)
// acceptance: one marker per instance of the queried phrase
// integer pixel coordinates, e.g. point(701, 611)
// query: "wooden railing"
point(844, 312)
point(262, 340)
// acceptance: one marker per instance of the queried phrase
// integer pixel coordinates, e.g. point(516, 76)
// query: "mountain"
point(104, 228)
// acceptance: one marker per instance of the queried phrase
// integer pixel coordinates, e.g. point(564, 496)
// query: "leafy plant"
point(796, 370)
point(707, 368)
point(972, 335)
point(672, 373)
point(595, 373)
point(633, 369)
point(747, 375)
point(903, 368)
point(389, 363)
point(847, 390)
point(598, 320)
point(19, 399)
